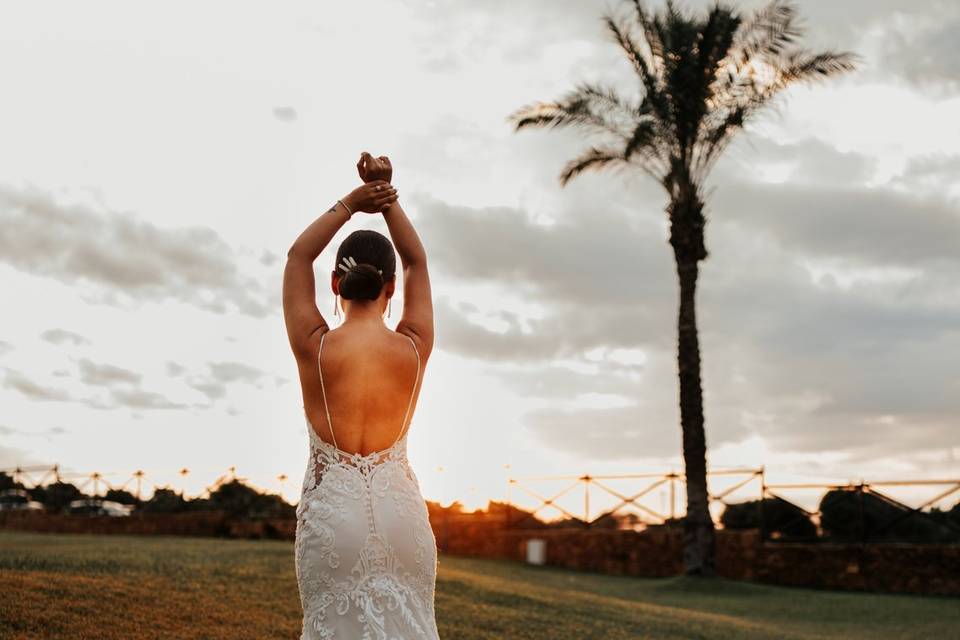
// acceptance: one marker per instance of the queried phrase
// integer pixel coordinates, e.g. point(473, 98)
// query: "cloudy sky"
point(158, 160)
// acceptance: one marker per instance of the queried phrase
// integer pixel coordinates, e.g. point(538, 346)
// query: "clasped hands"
point(376, 194)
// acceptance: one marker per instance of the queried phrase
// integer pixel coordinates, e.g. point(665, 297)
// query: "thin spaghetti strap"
point(323, 390)
point(416, 380)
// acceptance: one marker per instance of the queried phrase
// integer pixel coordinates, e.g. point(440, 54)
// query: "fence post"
point(860, 515)
point(673, 495)
point(763, 500)
point(586, 500)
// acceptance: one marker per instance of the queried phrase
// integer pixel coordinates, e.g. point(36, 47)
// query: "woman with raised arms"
point(366, 557)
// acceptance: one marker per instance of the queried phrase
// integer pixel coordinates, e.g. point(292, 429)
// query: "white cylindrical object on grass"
point(536, 551)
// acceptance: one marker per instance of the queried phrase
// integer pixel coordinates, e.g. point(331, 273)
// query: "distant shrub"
point(852, 515)
point(7, 482)
point(165, 501)
point(121, 496)
point(56, 496)
point(779, 518)
point(949, 518)
point(241, 500)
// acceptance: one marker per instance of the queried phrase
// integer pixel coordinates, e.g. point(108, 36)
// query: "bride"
point(366, 557)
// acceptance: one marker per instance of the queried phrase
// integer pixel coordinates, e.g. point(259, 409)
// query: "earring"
point(389, 305)
point(336, 311)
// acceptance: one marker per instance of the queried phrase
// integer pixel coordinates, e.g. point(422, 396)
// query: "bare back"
point(369, 385)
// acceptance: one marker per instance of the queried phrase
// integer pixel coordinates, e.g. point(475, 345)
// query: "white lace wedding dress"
point(366, 556)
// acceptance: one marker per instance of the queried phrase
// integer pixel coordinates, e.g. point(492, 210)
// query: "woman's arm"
point(305, 324)
point(417, 319)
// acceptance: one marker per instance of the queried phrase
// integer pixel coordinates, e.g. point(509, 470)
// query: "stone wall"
point(883, 567)
point(648, 554)
point(932, 569)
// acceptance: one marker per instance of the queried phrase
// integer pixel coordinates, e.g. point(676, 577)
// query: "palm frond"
point(592, 106)
point(651, 36)
point(716, 38)
point(652, 83)
point(768, 31)
point(622, 37)
point(592, 158)
point(646, 150)
point(643, 137)
point(714, 138)
point(606, 99)
point(802, 66)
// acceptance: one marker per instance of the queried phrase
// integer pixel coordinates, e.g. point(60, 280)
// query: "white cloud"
point(123, 256)
point(62, 336)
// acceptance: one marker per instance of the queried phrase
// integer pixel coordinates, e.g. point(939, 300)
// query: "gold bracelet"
point(349, 213)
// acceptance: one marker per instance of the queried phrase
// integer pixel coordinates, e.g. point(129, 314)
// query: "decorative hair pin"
point(349, 264)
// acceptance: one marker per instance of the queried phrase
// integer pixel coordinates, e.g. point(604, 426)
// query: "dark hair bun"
point(373, 263)
point(361, 282)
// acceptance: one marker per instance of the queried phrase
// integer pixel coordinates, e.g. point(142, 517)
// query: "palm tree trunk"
point(698, 526)
point(686, 238)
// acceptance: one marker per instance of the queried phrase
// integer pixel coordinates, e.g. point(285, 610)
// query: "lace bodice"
point(323, 455)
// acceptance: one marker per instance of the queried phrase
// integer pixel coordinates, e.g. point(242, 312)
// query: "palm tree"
point(702, 77)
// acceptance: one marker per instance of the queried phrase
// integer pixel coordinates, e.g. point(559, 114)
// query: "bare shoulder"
point(423, 347)
point(307, 356)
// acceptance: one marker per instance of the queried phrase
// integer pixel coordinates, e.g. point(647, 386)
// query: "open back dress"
point(366, 556)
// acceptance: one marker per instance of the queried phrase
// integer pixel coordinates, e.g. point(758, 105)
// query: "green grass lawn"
point(113, 587)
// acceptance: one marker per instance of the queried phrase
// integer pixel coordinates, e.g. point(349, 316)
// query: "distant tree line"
point(234, 497)
point(846, 515)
